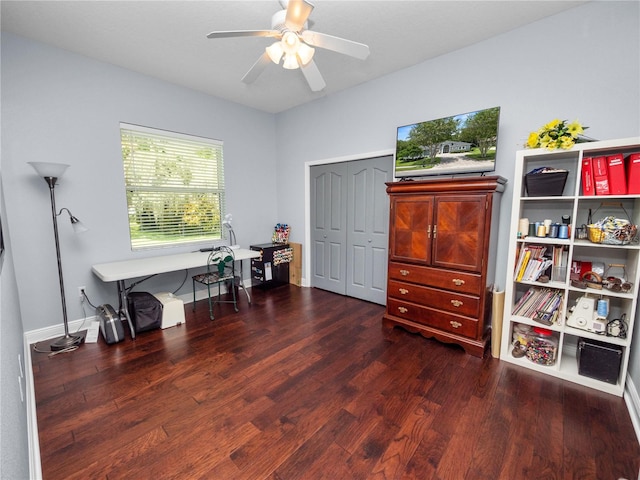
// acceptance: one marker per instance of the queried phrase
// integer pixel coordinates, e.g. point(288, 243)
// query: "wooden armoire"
point(442, 252)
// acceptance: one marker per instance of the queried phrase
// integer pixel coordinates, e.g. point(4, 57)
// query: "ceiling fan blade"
point(257, 68)
point(244, 33)
point(297, 13)
point(313, 76)
point(337, 44)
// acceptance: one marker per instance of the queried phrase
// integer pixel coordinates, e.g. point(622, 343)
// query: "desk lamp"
point(51, 172)
point(232, 235)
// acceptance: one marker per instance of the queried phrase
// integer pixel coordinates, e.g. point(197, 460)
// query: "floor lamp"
point(51, 172)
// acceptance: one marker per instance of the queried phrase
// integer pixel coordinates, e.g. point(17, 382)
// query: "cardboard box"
point(295, 267)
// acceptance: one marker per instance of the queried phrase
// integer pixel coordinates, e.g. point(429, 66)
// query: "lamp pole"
point(68, 340)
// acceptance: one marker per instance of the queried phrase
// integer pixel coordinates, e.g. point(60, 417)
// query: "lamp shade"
point(275, 52)
point(78, 226)
point(305, 54)
point(290, 62)
point(48, 169)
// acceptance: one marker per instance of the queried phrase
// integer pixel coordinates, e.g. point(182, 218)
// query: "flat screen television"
point(461, 144)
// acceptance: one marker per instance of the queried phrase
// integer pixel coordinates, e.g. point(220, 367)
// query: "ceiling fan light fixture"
point(290, 61)
point(275, 52)
point(290, 42)
point(305, 53)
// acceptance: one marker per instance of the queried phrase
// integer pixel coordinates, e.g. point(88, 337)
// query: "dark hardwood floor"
point(305, 384)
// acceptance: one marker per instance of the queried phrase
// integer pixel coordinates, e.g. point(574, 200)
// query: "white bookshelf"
point(572, 203)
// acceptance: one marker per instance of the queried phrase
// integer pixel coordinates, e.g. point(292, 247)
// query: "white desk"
point(142, 267)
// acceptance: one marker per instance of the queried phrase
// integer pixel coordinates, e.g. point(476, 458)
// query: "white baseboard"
point(632, 399)
point(35, 467)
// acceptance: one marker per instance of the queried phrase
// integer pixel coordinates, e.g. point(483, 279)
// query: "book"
point(523, 265)
point(617, 174)
point(588, 187)
point(601, 176)
point(633, 187)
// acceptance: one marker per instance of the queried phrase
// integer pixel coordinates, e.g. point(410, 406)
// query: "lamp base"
point(66, 342)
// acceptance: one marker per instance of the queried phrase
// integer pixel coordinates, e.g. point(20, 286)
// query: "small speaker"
point(599, 360)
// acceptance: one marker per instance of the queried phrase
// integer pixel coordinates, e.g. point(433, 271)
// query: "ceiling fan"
point(295, 44)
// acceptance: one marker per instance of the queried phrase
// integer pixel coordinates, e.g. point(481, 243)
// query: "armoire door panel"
point(412, 221)
point(459, 239)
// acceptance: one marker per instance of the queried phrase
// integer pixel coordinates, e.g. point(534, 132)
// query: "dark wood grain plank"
point(306, 384)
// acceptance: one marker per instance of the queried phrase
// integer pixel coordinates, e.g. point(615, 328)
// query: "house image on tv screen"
point(454, 147)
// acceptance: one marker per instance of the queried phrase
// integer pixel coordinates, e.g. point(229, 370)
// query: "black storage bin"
point(545, 184)
point(599, 360)
point(145, 311)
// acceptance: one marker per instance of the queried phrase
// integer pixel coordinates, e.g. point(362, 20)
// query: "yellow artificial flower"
point(575, 129)
point(566, 142)
point(552, 124)
point(555, 134)
point(545, 140)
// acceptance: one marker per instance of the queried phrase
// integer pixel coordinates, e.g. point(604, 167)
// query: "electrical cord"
point(186, 275)
point(84, 293)
point(56, 352)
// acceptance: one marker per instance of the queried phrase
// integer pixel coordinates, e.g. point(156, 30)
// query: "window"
point(174, 185)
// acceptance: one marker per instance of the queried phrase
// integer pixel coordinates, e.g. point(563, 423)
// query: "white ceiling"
point(167, 39)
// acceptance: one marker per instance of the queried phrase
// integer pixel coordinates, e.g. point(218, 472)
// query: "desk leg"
point(122, 299)
point(241, 284)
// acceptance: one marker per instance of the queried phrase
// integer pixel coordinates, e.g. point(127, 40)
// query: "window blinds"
point(174, 185)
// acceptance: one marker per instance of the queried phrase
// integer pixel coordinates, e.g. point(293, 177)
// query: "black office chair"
point(220, 269)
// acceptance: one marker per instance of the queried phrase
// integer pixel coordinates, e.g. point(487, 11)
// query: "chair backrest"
point(222, 262)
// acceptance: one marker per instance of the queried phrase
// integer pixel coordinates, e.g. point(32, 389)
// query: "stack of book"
point(531, 263)
point(540, 304)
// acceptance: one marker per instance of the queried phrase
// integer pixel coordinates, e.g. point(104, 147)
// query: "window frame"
point(186, 214)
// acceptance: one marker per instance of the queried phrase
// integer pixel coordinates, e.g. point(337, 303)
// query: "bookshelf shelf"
point(564, 254)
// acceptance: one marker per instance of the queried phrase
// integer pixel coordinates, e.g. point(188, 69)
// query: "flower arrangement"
point(556, 134)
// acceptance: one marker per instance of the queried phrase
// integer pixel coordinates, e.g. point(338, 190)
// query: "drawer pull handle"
point(404, 273)
point(403, 291)
point(458, 281)
point(456, 303)
point(455, 324)
point(403, 309)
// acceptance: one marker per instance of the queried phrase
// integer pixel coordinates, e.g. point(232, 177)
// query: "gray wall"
point(61, 107)
point(13, 423)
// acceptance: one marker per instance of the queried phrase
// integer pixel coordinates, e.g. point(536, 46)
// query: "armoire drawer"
point(439, 319)
point(454, 302)
point(436, 277)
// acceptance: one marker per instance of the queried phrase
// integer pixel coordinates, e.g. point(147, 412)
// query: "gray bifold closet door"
point(349, 227)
